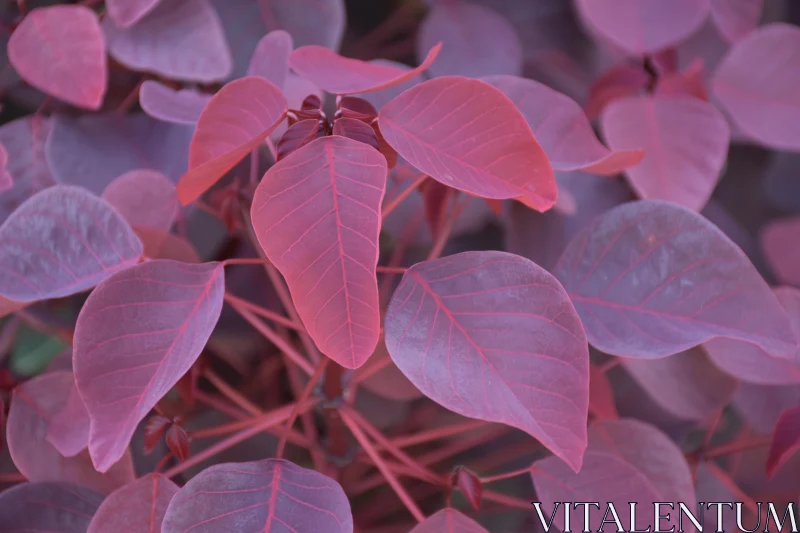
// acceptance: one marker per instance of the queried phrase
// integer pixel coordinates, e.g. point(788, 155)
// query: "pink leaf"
point(178, 442)
point(269, 496)
point(617, 82)
point(163, 103)
point(448, 521)
point(561, 127)
point(159, 244)
point(685, 142)
point(758, 87)
point(468, 135)
point(137, 334)
point(341, 75)
point(63, 241)
point(138, 507)
point(24, 140)
point(469, 484)
point(626, 461)
point(601, 395)
point(181, 39)
point(736, 18)
point(33, 405)
point(271, 57)
point(126, 13)
point(642, 27)
point(317, 216)
point(50, 507)
point(651, 279)
point(476, 41)
point(236, 120)
point(319, 22)
point(145, 198)
point(785, 440)
point(782, 258)
point(492, 336)
point(690, 82)
point(6, 179)
point(61, 51)
point(761, 405)
point(68, 427)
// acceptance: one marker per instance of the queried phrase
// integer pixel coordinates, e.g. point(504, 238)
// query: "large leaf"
point(236, 120)
point(271, 496)
point(271, 57)
point(138, 507)
point(320, 22)
point(63, 241)
point(317, 216)
point(145, 198)
point(642, 27)
point(136, 335)
point(448, 521)
point(181, 39)
point(24, 139)
point(34, 405)
point(47, 507)
point(685, 142)
point(126, 13)
point(163, 103)
point(468, 135)
point(651, 279)
point(756, 83)
point(61, 51)
point(736, 18)
point(476, 41)
point(493, 336)
point(563, 130)
point(341, 75)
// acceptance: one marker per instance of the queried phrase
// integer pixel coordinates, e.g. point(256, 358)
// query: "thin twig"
point(303, 397)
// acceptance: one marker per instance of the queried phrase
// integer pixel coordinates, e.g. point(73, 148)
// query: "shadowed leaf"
point(168, 105)
point(47, 507)
point(785, 440)
point(736, 18)
point(784, 259)
point(145, 198)
point(271, 57)
point(138, 507)
point(126, 13)
point(448, 521)
point(320, 22)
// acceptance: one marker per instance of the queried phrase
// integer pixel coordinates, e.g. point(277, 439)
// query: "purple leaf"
point(448, 521)
point(758, 87)
point(168, 105)
point(317, 217)
point(476, 41)
point(492, 336)
point(137, 334)
point(126, 13)
point(244, 27)
point(33, 405)
point(310, 22)
point(268, 496)
point(685, 142)
point(782, 258)
point(61, 51)
point(486, 149)
point(761, 405)
point(68, 427)
point(145, 198)
point(651, 279)
point(63, 241)
point(138, 507)
point(563, 130)
point(601, 394)
point(785, 440)
point(379, 98)
point(6, 179)
point(389, 382)
point(24, 139)
point(736, 18)
point(181, 39)
point(271, 57)
point(47, 507)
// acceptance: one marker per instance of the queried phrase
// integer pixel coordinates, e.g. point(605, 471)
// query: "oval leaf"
point(145, 198)
point(320, 22)
point(685, 142)
point(136, 335)
point(341, 75)
point(270, 496)
point(61, 51)
point(63, 241)
point(651, 279)
point(735, 19)
point(271, 57)
point(50, 507)
point(468, 135)
point(317, 217)
point(138, 507)
point(785, 440)
point(236, 120)
point(498, 324)
point(448, 521)
point(168, 105)
point(126, 13)
point(758, 87)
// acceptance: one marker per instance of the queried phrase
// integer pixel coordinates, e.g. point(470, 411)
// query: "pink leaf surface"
point(163, 103)
point(63, 241)
point(341, 75)
point(642, 27)
point(493, 336)
point(784, 259)
point(6, 179)
point(270, 496)
point(617, 82)
point(138, 507)
point(61, 51)
point(68, 427)
point(785, 440)
point(756, 83)
point(751, 364)
point(271, 57)
point(47, 507)
point(145, 198)
point(685, 142)
point(626, 461)
point(236, 120)
point(448, 521)
point(24, 140)
point(468, 135)
point(476, 41)
point(181, 39)
point(735, 19)
point(126, 13)
point(33, 406)
point(136, 335)
point(651, 279)
point(561, 127)
point(317, 217)
point(601, 395)
point(317, 22)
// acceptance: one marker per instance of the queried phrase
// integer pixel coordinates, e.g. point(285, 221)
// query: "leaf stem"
point(392, 204)
point(447, 228)
point(508, 501)
point(232, 394)
point(303, 397)
point(264, 313)
point(391, 270)
point(506, 475)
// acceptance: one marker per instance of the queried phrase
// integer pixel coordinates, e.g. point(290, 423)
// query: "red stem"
point(392, 204)
point(303, 397)
point(507, 475)
point(264, 313)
